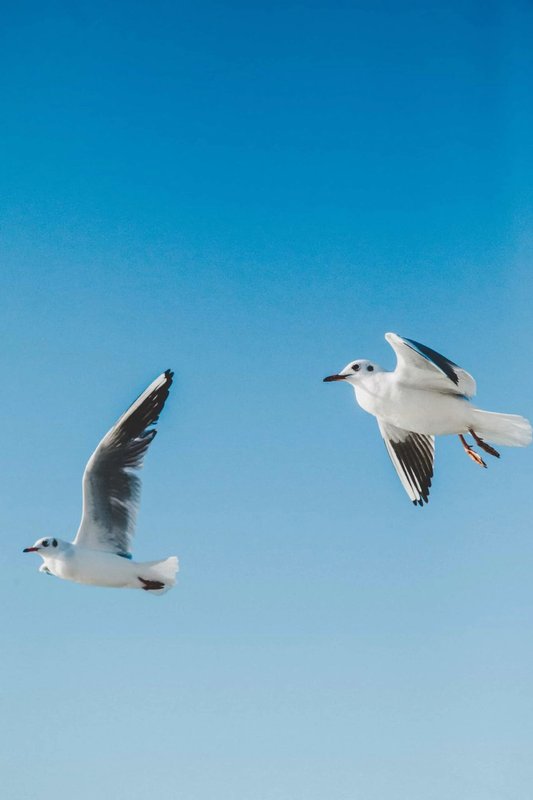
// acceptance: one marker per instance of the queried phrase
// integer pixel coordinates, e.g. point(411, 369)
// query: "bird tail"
point(157, 577)
point(509, 429)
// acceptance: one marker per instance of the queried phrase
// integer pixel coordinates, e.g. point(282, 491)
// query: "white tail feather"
point(509, 429)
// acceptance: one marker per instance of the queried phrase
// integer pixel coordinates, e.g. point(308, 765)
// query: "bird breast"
point(413, 409)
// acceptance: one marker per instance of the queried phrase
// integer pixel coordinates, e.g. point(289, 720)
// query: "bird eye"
point(45, 543)
point(355, 367)
point(370, 368)
point(54, 542)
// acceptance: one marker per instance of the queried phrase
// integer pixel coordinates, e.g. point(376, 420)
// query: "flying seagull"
point(426, 396)
point(100, 553)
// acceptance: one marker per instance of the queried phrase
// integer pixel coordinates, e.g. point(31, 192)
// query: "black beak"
point(334, 378)
point(30, 550)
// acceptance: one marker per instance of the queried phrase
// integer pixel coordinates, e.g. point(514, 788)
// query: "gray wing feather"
point(419, 365)
point(111, 489)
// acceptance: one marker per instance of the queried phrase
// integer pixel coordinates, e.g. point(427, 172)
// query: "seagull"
point(426, 396)
point(100, 553)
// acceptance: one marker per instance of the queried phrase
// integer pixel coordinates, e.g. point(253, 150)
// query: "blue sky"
point(253, 196)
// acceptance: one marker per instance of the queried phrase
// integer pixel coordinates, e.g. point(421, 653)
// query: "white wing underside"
point(419, 365)
point(111, 489)
point(412, 455)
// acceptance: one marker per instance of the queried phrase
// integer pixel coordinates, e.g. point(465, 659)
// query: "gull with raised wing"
point(427, 395)
point(100, 553)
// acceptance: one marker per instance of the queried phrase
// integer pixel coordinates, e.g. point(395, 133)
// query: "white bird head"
point(47, 546)
point(355, 372)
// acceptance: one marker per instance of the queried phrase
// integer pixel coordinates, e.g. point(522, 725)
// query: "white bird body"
point(427, 395)
point(411, 408)
point(99, 554)
point(99, 568)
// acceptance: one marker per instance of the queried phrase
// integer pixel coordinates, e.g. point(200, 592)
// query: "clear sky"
point(253, 194)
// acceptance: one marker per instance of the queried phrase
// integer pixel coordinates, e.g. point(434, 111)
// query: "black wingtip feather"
point(440, 361)
point(417, 464)
point(136, 423)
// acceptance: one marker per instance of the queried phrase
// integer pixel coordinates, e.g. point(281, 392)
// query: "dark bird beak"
point(30, 550)
point(334, 378)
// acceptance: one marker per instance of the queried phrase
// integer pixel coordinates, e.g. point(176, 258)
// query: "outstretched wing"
point(421, 366)
point(111, 489)
point(412, 455)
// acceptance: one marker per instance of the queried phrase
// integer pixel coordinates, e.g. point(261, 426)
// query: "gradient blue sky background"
point(252, 195)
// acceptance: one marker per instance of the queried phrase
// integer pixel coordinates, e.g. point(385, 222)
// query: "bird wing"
point(412, 455)
point(424, 367)
point(111, 489)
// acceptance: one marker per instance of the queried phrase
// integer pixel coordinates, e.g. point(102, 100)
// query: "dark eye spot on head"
point(370, 368)
point(45, 543)
point(355, 367)
point(54, 542)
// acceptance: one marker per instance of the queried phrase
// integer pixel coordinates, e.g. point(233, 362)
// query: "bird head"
point(355, 372)
point(45, 546)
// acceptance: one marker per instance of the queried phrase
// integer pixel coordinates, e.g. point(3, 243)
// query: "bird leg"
point(484, 446)
point(151, 585)
point(471, 453)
